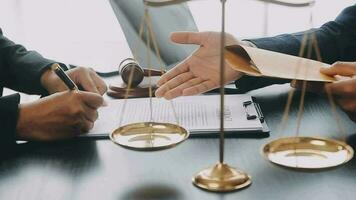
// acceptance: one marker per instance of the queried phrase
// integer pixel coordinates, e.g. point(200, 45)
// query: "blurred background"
point(88, 32)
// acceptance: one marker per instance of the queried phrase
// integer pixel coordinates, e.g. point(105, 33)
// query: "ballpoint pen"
point(64, 77)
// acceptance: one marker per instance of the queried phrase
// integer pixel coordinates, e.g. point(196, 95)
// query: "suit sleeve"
point(8, 120)
point(21, 69)
point(336, 40)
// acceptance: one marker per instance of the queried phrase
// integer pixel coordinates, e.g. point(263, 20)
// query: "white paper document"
point(195, 113)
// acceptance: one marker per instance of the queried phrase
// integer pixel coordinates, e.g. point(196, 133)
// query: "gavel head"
point(130, 69)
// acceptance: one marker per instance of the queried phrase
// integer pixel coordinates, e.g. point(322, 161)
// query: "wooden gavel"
point(130, 69)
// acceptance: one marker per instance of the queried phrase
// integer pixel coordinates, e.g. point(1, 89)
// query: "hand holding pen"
point(64, 77)
point(61, 115)
point(86, 79)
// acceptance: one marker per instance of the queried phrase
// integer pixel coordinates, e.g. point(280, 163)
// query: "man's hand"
point(59, 116)
point(83, 77)
point(345, 90)
point(199, 72)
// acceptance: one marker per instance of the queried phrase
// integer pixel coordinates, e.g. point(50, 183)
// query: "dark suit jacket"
point(336, 39)
point(20, 70)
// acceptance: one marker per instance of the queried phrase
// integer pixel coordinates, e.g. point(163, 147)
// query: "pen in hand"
point(64, 77)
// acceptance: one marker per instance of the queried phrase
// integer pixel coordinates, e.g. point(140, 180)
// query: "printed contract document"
point(196, 113)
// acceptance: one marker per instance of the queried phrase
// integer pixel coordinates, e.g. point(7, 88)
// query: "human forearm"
point(336, 41)
point(21, 69)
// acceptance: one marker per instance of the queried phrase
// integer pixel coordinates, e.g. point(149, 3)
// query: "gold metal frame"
point(221, 177)
point(148, 136)
point(308, 152)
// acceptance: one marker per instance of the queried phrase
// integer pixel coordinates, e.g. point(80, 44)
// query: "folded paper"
point(260, 62)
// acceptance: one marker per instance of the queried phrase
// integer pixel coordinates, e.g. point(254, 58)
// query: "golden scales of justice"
point(294, 152)
point(149, 135)
point(307, 153)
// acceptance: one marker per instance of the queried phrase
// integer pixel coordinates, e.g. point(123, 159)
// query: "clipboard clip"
point(252, 116)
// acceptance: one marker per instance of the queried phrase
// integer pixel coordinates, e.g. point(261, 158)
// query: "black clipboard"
point(262, 133)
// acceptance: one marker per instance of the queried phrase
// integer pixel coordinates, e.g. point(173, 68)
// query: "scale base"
point(221, 178)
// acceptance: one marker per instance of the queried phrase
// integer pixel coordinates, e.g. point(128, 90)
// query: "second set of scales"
point(306, 153)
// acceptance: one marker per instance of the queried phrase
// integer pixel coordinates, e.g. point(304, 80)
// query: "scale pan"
point(308, 153)
point(149, 136)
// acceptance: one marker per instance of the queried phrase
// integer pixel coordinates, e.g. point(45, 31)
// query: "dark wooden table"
point(89, 169)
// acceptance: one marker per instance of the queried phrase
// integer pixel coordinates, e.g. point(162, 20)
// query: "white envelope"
point(260, 62)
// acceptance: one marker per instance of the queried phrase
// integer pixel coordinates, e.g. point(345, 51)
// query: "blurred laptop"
point(165, 20)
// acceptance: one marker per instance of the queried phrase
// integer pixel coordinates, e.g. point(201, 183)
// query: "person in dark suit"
point(62, 114)
point(200, 71)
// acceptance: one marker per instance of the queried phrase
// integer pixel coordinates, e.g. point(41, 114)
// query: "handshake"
point(65, 114)
point(199, 73)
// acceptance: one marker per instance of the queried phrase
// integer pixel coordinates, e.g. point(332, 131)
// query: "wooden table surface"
point(89, 169)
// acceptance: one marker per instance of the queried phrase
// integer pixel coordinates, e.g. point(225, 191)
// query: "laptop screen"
point(165, 20)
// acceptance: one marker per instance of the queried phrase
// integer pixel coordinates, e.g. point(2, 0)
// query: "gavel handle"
point(153, 72)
